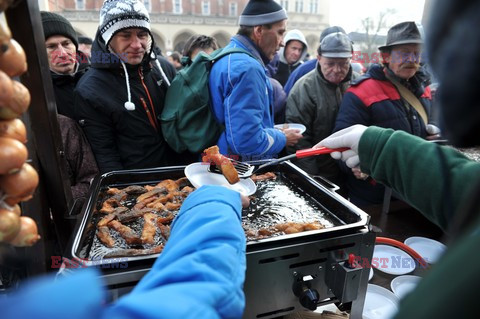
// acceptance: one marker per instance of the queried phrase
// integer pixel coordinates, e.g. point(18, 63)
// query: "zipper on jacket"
point(151, 114)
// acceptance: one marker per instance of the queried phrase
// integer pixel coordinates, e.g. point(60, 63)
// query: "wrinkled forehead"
point(57, 39)
point(409, 47)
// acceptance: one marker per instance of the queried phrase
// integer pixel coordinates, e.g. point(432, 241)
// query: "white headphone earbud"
point(129, 106)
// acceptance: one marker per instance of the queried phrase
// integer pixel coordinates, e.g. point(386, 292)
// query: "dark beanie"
point(55, 24)
point(84, 40)
point(259, 12)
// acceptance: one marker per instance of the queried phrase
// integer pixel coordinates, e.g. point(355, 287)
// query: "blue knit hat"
point(259, 12)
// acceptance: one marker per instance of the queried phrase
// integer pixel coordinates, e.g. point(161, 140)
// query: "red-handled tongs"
point(246, 170)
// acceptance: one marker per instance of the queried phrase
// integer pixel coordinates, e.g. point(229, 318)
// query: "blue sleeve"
point(246, 105)
point(201, 271)
point(352, 111)
point(75, 297)
point(199, 274)
point(298, 73)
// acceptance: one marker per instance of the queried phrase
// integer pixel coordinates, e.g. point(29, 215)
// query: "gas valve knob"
point(309, 299)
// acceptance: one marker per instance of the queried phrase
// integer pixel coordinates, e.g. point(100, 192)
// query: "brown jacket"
point(81, 165)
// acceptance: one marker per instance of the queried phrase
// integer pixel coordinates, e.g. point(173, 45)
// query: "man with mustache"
point(390, 96)
point(240, 90)
point(117, 102)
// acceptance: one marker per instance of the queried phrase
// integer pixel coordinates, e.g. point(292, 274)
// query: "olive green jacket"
point(314, 102)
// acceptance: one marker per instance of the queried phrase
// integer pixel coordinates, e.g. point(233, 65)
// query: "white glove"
point(348, 137)
point(432, 129)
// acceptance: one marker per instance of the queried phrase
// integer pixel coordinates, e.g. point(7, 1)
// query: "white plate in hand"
point(429, 249)
point(380, 303)
point(198, 175)
point(403, 285)
point(392, 260)
point(296, 126)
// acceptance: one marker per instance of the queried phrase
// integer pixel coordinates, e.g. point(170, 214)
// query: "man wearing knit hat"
point(66, 69)
point(117, 102)
point(241, 92)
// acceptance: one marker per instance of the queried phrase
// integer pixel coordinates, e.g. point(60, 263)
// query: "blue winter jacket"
point(242, 99)
point(199, 274)
point(298, 73)
point(373, 100)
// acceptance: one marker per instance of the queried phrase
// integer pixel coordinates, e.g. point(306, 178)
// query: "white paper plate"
point(402, 285)
point(392, 260)
point(296, 126)
point(380, 303)
point(198, 175)
point(431, 250)
point(370, 275)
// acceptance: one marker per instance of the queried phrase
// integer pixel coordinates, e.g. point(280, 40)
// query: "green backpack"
point(187, 120)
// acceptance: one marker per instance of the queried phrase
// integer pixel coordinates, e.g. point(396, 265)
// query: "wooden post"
point(53, 198)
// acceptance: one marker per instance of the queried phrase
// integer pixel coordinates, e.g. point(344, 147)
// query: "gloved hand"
point(433, 132)
point(348, 137)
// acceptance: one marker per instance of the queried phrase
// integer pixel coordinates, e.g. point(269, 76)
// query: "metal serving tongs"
point(246, 170)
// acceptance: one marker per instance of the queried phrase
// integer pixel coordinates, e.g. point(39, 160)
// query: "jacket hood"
point(294, 35)
point(102, 58)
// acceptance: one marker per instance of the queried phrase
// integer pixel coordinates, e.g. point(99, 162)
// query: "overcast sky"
point(349, 13)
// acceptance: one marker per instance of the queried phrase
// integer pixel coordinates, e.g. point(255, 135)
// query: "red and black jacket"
point(373, 100)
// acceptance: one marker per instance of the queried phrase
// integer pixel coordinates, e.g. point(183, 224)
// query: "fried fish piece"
point(134, 252)
point(212, 155)
point(149, 228)
point(264, 177)
point(126, 232)
point(103, 234)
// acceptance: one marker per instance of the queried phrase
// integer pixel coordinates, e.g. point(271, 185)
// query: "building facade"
point(174, 21)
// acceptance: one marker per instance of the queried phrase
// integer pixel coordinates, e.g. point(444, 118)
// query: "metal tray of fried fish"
point(293, 196)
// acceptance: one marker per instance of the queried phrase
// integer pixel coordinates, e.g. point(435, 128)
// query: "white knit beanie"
point(116, 15)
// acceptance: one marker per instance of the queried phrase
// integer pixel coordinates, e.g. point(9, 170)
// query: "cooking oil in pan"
point(279, 201)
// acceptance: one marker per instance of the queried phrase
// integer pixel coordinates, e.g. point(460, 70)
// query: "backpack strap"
point(224, 52)
point(409, 98)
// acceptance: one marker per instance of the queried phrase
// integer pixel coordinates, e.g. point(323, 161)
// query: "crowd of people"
point(119, 101)
point(108, 112)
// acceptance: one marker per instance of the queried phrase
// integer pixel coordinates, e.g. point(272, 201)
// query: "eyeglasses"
point(340, 64)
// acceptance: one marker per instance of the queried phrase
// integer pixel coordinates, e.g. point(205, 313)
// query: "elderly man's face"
point(61, 54)
point(404, 60)
point(334, 70)
point(131, 44)
point(293, 51)
point(270, 40)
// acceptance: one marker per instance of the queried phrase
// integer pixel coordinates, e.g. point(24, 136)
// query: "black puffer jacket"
point(123, 139)
point(64, 85)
